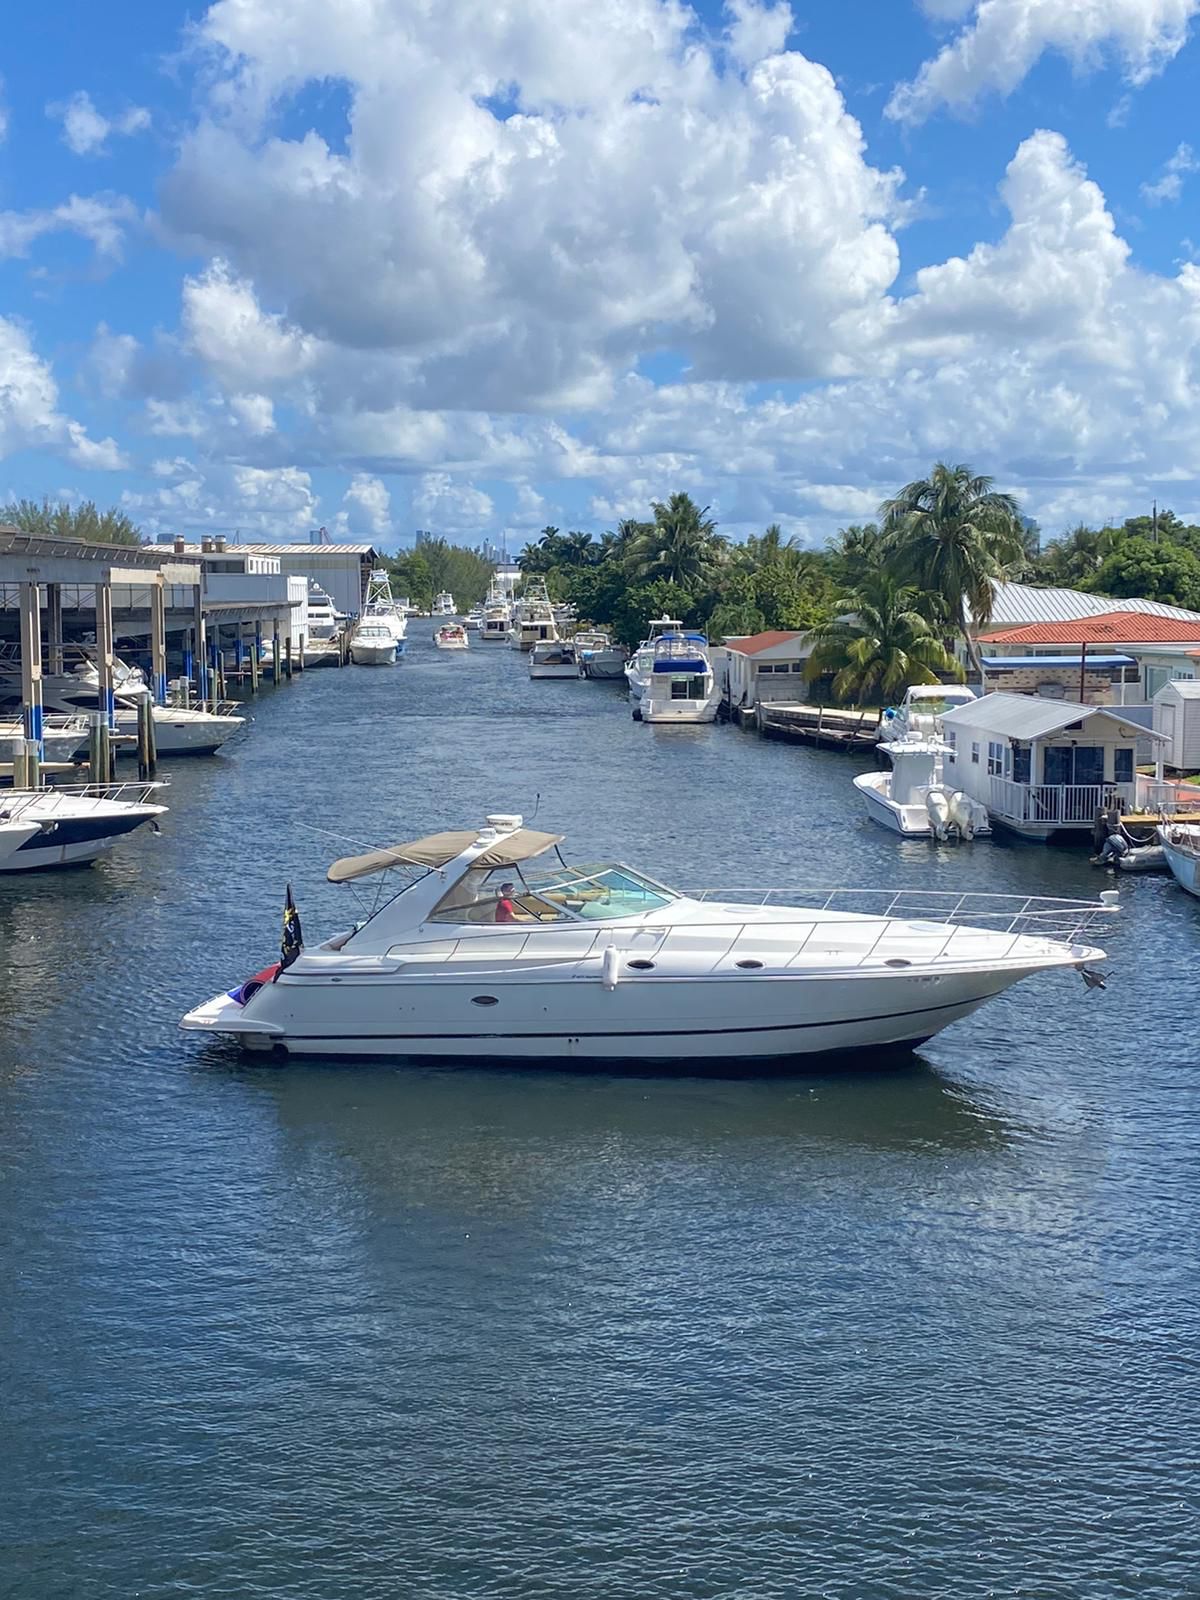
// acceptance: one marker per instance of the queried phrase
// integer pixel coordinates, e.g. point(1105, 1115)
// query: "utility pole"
point(1154, 521)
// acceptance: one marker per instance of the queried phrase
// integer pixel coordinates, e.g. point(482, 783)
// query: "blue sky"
point(266, 267)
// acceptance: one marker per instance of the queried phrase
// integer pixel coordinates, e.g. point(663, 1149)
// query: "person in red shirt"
point(506, 911)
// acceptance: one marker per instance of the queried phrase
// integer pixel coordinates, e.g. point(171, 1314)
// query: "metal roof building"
point(1024, 716)
point(1016, 604)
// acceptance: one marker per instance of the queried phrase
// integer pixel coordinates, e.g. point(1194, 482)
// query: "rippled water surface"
point(329, 1330)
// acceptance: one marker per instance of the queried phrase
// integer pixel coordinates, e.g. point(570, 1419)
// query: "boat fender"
point(610, 967)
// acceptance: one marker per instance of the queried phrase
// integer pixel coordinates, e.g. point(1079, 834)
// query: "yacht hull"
point(373, 655)
point(1184, 864)
point(75, 841)
point(183, 733)
point(666, 711)
point(578, 1019)
point(911, 821)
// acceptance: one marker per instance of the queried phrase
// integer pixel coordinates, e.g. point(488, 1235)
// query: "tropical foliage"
point(84, 521)
point(435, 565)
point(882, 644)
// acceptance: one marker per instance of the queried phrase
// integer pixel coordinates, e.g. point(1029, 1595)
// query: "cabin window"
point(688, 689)
point(995, 759)
point(1021, 766)
point(974, 753)
point(797, 666)
point(1122, 766)
point(952, 753)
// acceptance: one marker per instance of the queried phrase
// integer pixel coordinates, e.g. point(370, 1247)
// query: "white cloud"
point(227, 328)
point(29, 414)
point(1169, 183)
point(450, 508)
point(1006, 38)
point(254, 412)
point(111, 359)
point(99, 218)
point(368, 504)
point(646, 190)
point(277, 503)
point(86, 131)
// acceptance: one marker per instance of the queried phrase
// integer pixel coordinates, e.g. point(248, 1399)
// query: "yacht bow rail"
point(1042, 916)
point(14, 801)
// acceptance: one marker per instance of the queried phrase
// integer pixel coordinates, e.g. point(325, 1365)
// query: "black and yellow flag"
point(292, 939)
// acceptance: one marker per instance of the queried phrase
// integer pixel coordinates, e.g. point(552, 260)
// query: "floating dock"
point(819, 725)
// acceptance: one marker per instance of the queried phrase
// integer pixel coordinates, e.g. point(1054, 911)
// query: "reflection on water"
point(916, 1329)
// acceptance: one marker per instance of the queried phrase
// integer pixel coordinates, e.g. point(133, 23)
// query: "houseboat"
point(1043, 768)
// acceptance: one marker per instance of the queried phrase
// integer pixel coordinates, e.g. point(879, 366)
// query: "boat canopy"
point(439, 848)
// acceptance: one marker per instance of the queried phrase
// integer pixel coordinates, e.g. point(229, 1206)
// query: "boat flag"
point(292, 939)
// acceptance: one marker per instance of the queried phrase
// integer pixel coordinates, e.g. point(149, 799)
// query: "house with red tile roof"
point(766, 667)
point(1164, 647)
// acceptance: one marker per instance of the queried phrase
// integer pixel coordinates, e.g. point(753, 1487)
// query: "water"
point(472, 1335)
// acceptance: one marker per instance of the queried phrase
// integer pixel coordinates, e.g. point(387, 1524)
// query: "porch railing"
point(1057, 804)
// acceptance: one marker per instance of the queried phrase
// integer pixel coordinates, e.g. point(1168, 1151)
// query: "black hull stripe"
point(82, 831)
point(636, 1033)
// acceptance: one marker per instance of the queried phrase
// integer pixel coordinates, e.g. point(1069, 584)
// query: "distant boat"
point(598, 656)
point(444, 605)
point(533, 617)
point(451, 636)
point(555, 658)
point(921, 711)
point(373, 644)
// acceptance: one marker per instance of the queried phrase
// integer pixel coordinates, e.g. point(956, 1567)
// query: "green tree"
point(953, 535)
point(681, 547)
point(83, 521)
point(1138, 568)
point(853, 551)
point(881, 645)
point(635, 607)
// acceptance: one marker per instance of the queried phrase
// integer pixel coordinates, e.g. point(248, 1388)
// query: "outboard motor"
point(962, 814)
point(937, 804)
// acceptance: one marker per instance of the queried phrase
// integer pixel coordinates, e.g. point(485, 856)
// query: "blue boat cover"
point(679, 664)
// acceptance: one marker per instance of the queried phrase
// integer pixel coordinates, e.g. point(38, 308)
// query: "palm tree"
point(881, 645)
point(952, 535)
point(681, 545)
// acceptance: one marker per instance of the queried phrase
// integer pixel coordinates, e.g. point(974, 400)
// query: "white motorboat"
point(64, 737)
point(473, 620)
point(451, 636)
point(1181, 846)
point(74, 689)
point(484, 955)
point(921, 711)
point(75, 824)
point(322, 639)
point(178, 730)
point(444, 605)
point(554, 659)
point(533, 617)
point(681, 685)
point(373, 643)
point(912, 799)
point(379, 608)
point(641, 663)
point(598, 656)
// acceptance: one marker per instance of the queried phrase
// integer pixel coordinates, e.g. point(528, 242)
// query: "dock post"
point(99, 750)
point(31, 663)
point(104, 654)
point(144, 713)
point(275, 657)
point(54, 627)
point(158, 644)
point(300, 655)
point(20, 764)
point(33, 764)
point(287, 658)
point(255, 660)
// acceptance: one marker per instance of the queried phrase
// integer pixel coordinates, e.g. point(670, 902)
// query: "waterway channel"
point(383, 1331)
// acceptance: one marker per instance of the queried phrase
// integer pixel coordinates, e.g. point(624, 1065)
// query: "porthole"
point(641, 966)
point(484, 1000)
point(897, 961)
point(749, 966)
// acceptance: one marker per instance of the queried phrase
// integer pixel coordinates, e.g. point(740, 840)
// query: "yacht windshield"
point(557, 894)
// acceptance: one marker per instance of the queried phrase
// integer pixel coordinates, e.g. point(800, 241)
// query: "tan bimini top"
point(439, 848)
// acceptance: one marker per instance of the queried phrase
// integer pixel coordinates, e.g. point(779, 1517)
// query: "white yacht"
point(373, 643)
point(922, 709)
point(496, 624)
point(681, 685)
point(380, 607)
point(912, 799)
point(76, 824)
point(484, 955)
point(554, 659)
point(178, 730)
point(64, 736)
point(1181, 846)
point(533, 617)
point(599, 657)
point(473, 620)
point(444, 605)
point(641, 663)
point(451, 636)
point(322, 640)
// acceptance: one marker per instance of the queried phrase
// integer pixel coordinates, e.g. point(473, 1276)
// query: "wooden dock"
point(825, 726)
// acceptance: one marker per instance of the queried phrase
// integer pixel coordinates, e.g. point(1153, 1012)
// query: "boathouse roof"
point(753, 644)
point(1026, 716)
point(1119, 626)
